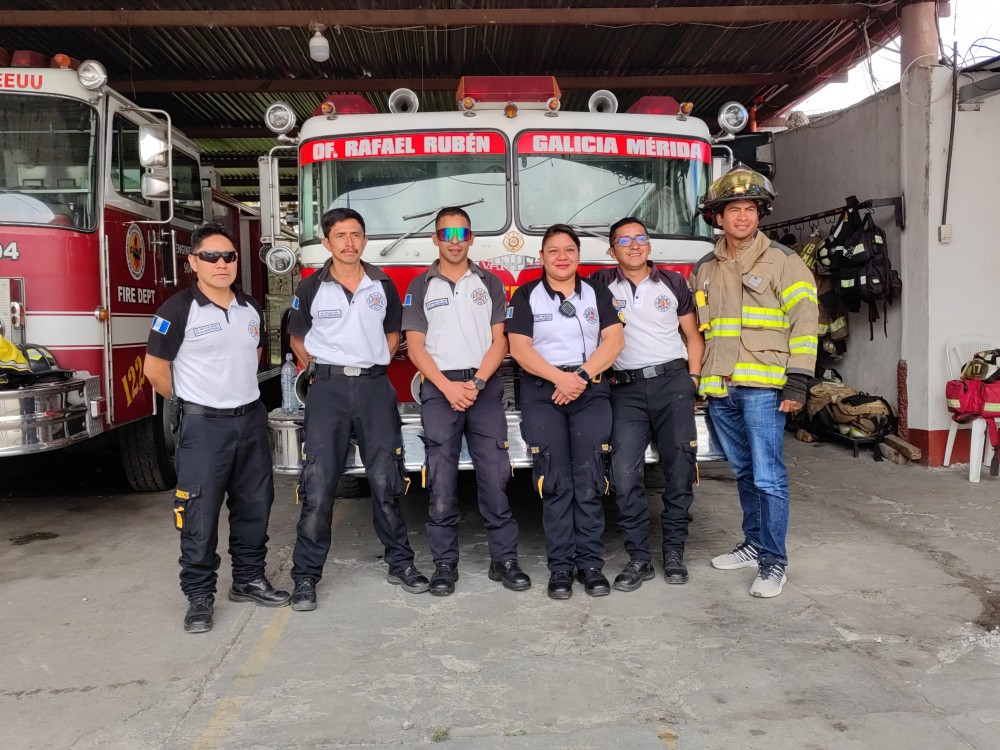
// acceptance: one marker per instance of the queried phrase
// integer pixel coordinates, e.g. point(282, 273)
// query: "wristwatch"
point(479, 383)
point(583, 374)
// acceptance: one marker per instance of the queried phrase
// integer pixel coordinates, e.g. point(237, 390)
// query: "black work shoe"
point(674, 570)
point(304, 596)
point(259, 591)
point(594, 582)
point(409, 579)
point(561, 584)
point(198, 618)
point(443, 580)
point(634, 574)
point(509, 573)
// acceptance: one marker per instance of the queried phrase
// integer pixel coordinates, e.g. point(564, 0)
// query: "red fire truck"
point(517, 162)
point(98, 198)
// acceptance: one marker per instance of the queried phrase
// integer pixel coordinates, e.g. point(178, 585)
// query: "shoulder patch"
point(510, 313)
point(295, 302)
point(160, 325)
point(407, 300)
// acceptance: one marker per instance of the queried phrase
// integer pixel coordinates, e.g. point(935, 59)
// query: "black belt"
point(459, 376)
point(653, 371)
point(352, 372)
point(569, 368)
point(210, 411)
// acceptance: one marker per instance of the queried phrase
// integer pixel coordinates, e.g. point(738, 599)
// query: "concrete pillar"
point(919, 40)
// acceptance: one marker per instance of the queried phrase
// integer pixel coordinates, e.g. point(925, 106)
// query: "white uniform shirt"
point(653, 309)
point(345, 329)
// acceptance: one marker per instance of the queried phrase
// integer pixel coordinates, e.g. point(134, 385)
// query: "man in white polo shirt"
point(346, 318)
point(203, 352)
point(453, 315)
point(654, 384)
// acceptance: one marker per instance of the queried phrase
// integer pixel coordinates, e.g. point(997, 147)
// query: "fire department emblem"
point(619, 304)
point(376, 301)
point(662, 303)
point(254, 330)
point(135, 252)
point(513, 242)
point(590, 314)
point(479, 296)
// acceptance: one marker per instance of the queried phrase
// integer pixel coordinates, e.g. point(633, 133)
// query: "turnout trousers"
point(659, 409)
point(222, 458)
point(336, 405)
point(484, 426)
point(570, 446)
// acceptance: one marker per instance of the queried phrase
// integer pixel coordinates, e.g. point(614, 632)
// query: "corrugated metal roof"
point(138, 56)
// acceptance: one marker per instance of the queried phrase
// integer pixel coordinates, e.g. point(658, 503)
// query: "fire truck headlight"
point(92, 75)
point(279, 118)
point(280, 260)
point(733, 117)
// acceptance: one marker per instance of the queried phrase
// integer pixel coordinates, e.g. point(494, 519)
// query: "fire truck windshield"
point(588, 188)
point(384, 190)
point(48, 161)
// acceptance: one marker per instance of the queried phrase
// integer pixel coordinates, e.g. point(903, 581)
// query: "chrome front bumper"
point(48, 416)
point(286, 444)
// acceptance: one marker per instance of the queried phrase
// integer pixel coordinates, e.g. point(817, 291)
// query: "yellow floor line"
point(221, 724)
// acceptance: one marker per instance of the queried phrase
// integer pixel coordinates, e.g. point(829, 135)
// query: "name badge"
point(204, 330)
point(543, 317)
point(329, 314)
point(755, 281)
point(431, 304)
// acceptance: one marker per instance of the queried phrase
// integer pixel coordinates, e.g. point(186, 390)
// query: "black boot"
point(259, 591)
point(561, 584)
point(304, 596)
point(509, 573)
point(594, 582)
point(198, 618)
point(443, 580)
point(674, 570)
point(633, 575)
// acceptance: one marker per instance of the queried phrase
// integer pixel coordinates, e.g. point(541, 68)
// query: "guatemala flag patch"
point(510, 313)
point(295, 302)
point(160, 325)
point(407, 300)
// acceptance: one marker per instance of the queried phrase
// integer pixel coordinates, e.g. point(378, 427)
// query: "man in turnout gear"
point(453, 315)
point(757, 304)
point(654, 383)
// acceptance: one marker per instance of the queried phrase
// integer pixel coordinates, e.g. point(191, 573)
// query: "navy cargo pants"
point(336, 405)
point(218, 456)
point(484, 426)
point(570, 448)
point(660, 408)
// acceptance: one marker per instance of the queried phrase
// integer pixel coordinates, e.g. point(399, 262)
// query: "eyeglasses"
point(454, 234)
point(639, 239)
point(212, 256)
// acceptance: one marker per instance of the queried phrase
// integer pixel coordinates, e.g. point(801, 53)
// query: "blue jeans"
point(751, 431)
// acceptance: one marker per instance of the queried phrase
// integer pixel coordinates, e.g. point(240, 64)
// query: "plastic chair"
point(959, 350)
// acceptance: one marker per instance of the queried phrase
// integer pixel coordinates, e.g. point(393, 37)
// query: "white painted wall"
point(897, 143)
point(855, 152)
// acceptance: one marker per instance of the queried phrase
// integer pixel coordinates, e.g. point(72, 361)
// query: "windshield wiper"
point(433, 214)
point(587, 229)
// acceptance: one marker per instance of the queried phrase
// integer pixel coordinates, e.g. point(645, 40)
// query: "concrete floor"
point(885, 636)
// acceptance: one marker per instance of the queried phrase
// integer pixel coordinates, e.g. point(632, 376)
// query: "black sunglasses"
point(212, 256)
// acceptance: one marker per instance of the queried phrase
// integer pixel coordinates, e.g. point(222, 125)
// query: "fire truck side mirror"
point(154, 148)
point(156, 184)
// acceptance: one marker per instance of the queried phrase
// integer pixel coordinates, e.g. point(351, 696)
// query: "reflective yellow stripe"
point(803, 345)
point(824, 329)
point(837, 324)
point(796, 293)
point(953, 403)
point(723, 327)
point(990, 409)
point(764, 317)
point(712, 385)
point(751, 372)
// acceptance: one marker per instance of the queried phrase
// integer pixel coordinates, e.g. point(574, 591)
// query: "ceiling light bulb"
point(319, 47)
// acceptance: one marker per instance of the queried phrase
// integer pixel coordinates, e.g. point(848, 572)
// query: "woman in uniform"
point(564, 331)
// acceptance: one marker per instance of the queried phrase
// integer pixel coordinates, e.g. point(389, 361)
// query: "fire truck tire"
point(352, 486)
point(147, 449)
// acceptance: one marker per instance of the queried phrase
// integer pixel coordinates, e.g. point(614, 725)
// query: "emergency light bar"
point(496, 92)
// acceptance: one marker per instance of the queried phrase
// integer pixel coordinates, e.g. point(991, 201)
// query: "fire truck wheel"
point(352, 486)
point(147, 450)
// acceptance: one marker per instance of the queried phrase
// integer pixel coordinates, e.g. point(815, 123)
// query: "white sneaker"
point(770, 578)
point(743, 555)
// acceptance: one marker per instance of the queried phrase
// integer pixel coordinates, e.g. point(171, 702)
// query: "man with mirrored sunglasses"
point(453, 315)
point(203, 352)
point(654, 383)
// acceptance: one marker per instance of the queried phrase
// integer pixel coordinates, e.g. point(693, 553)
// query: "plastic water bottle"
point(289, 401)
